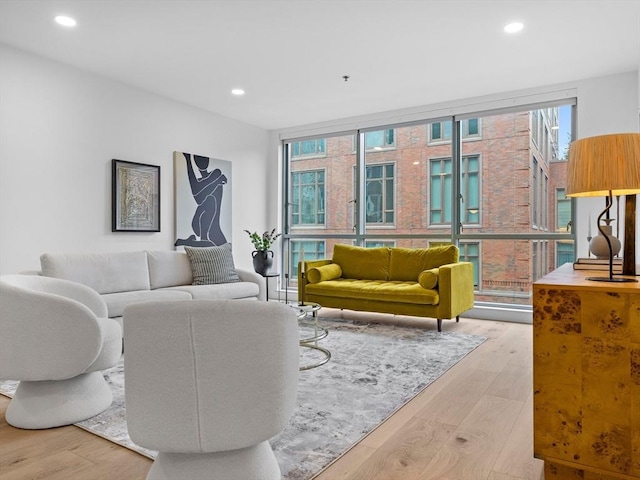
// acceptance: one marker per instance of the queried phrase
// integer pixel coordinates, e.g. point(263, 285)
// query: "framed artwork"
point(135, 197)
point(202, 200)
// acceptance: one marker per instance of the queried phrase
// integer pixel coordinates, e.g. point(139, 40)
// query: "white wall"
point(59, 130)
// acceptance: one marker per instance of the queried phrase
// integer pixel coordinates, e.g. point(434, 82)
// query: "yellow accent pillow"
point(324, 273)
point(429, 278)
point(362, 263)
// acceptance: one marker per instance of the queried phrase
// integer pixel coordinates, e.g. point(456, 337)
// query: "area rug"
point(374, 370)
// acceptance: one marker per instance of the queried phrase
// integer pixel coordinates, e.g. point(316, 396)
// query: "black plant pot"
point(262, 261)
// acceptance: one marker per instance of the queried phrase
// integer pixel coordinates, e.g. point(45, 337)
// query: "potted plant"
point(262, 255)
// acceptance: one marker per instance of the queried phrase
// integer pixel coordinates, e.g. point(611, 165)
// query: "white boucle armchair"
point(55, 338)
point(208, 383)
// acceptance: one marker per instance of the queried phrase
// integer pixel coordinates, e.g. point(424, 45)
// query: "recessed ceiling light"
point(514, 27)
point(65, 21)
point(237, 91)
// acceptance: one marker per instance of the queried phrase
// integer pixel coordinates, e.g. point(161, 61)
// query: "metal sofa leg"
point(439, 324)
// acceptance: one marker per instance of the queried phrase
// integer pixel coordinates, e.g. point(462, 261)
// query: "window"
point(379, 243)
point(539, 191)
point(470, 190)
point(441, 131)
point(470, 128)
point(313, 250)
point(563, 211)
point(539, 259)
point(379, 140)
point(565, 253)
point(545, 202)
point(441, 185)
point(397, 187)
point(535, 192)
point(440, 211)
point(309, 148)
point(380, 193)
point(470, 252)
point(307, 195)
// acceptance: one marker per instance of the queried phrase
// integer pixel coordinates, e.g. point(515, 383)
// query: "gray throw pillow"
point(211, 265)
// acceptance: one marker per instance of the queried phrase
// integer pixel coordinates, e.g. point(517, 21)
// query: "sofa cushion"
point(362, 263)
point(212, 265)
point(104, 272)
point(324, 272)
point(377, 290)
point(406, 263)
point(429, 278)
point(116, 302)
point(169, 268)
point(222, 291)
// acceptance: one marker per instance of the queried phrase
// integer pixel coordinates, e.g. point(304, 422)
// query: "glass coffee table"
point(311, 333)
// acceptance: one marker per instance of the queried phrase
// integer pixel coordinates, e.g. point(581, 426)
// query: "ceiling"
point(290, 56)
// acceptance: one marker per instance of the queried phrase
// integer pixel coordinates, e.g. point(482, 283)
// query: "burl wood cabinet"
point(586, 376)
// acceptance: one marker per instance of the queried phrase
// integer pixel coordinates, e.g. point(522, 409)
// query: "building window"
point(313, 250)
point(380, 139)
point(470, 252)
point(470, 128)
point(379, 201)
point(545, 200)
point(441, 131)
point(379, 243)
point(564, 252)
point(563, 211)
point(307, 195)
point(470, 190)
point(309, 148)
point(441, 185)
point(535, 192)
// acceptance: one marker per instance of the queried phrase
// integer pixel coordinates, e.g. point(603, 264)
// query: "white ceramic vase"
point(599, 246)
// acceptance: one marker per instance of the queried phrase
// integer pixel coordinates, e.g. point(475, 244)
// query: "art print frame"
point(135, 197)
point(202, 194)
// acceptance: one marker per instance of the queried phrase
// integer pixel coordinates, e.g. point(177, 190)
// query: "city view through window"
point(499, 196)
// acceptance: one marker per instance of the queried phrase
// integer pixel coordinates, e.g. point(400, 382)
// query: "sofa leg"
point(439, 324)
point(457, 318)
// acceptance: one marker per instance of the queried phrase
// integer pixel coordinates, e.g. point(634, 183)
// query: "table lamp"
point(604, 166)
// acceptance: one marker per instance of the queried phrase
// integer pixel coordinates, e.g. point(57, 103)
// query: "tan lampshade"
point(604, 163)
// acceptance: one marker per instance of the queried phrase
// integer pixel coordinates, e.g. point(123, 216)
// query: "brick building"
point(512, 183)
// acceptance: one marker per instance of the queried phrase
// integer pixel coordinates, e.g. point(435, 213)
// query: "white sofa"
point(126, 278)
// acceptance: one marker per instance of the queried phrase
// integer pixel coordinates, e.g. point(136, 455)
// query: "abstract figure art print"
point(203, 200)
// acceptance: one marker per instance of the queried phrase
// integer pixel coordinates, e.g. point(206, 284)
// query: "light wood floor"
point(474, 422)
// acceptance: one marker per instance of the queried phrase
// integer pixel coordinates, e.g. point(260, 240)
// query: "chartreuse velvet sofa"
point(423, 282)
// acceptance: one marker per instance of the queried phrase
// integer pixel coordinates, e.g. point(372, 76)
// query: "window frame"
point(464, 190)
point(318, 212)
point(316, 154)
point(384, 181)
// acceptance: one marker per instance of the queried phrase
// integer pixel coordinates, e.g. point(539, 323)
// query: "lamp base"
point(614, 279)
point(605, 232)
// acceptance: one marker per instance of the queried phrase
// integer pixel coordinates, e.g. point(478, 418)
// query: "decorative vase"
point(262, 261)
point(599, 246)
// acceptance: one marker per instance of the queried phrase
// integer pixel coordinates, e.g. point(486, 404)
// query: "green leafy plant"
point(263, 242)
